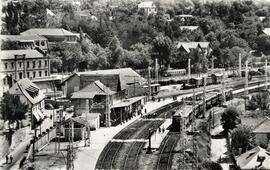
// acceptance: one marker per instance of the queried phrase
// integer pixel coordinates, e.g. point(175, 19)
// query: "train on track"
point(194, 107)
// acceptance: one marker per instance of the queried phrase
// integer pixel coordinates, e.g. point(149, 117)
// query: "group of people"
point(149, 116)
point(161, 129)
point(9, 157)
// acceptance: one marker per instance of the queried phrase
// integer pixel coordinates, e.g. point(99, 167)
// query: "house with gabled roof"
point(187, 47)
point(123, 79)
point(31, 95)
point(256, 158)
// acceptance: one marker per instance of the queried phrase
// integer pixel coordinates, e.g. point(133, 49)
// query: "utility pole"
point(246, 84)
point(108, 112)
point(70, 154)
point(204, 96)
point(189, 70)
point(223, 86)
point(240, 65)
point(265, 74)
point(149, 81)
point(212, 65)
point(156, 70)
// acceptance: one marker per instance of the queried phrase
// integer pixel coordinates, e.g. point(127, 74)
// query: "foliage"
point(162, 49)
point(12, 108)
point(210, 165)
point(259, 101)
point(10, 45)
point(241, 137)
point(229, 119)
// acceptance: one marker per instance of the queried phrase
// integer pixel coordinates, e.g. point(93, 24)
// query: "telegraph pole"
point(189, 70)
point(204, 96)
point(265, 74)
point(240, 65)
point(212, 65)
point(223, 86)
point(149, 81)
point(108, 113)
point(156, 70)
point(246, 84)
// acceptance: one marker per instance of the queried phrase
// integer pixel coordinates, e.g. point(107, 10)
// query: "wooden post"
point(189, 70)
point(149, 81)
point(266, 74)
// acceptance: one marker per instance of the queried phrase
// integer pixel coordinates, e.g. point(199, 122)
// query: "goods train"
point(192, 111)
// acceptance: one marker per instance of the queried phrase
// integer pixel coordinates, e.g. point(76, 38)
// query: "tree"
point(116, 57)
point(241, 137)
point(12, 18)
point(10, 45)
point(162, 47)
point(210, 165)
point(229, 119)
point(12, 108)
point(259, 101)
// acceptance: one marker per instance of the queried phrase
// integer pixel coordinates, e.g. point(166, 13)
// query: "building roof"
point(192, 45)
point(49, 32)
point(126, 75)
point(249, 159)
point(10, 54)
point(89, 92)
point(146, 4)
point(22, 38)
point(192, 28)
point(128, 102)
point(185, 16)
point(263, 127)
point(79, 120)
point(267, 31)
point(28, 89)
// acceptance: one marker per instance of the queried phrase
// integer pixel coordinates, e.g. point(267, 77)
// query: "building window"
point(40, 73)
point(39, 64)
point(34, 74)
point(37, 43)
point(46, 73)
point(34, 64)
point(6, 65)
point(20, 75)
point(28, 74)
point(45, 63)
point(20, 64)
point(12, 65)
point(27, 64)
point(42, 43)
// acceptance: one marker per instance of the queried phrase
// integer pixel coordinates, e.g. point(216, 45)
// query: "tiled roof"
point(89, 92)
point(192, 28)
point(249, 159)
point(49, 32)
point(21, 38)
point(267, 31)
point(79, 120)
point(263, 127)
point(10, 54)
point(23, 86)
point(146, 4)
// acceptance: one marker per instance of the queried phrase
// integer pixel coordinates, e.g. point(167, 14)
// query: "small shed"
point(93, 120)
point(76, 128)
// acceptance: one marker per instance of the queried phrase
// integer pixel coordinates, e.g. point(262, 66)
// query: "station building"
point(118, 91)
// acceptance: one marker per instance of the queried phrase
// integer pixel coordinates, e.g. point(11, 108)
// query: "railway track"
point(166, 151)
point(112, 156)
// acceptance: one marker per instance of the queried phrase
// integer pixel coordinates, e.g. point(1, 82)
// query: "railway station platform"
point(158, 136)
point(100, 138)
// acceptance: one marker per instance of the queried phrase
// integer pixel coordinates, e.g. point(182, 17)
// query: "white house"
point(148, 7)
